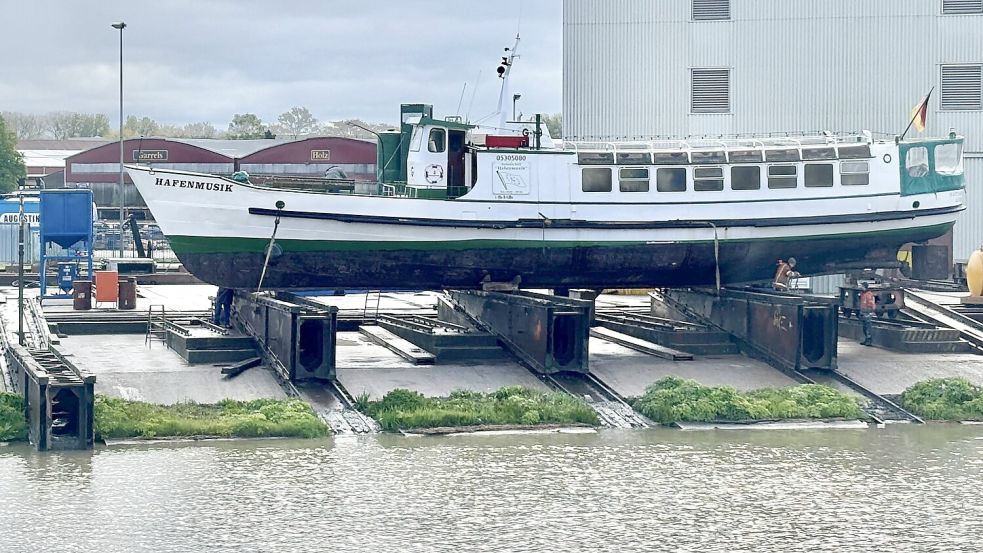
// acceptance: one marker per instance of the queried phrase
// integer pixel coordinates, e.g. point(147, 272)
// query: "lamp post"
point(380, 172)
point(121, 25)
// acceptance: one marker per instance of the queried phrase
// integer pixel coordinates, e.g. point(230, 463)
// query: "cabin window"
point(917, 162)
point(746, 156)
point(670, 179)
point(633, 180)
point(634, 158)
point(948, 159)
point(782, 155)
point(745, 177)
point(596, 179)
point(854, 152)
point(709, 157)
point(595, 158)
point(438, 140)
point(783, 176)
point(417, 140)
point(818, 175)
point(669, 158)
point(854, 173)
point(818, 153)
point(708, 179)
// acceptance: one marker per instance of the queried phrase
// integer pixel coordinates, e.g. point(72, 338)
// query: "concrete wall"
point(807, 65)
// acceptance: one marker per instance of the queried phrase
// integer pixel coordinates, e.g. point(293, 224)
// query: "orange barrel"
point(127, 293)
point(81, 295)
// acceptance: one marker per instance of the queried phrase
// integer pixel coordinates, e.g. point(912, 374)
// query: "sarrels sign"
point(149, 155)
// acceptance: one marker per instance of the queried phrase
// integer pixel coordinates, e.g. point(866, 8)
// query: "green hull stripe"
point(205, 245)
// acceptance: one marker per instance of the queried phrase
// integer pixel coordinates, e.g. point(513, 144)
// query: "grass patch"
point(944, 399)
point(673, 399)
point(119, 418)
point(13, 427)
point(511, 405)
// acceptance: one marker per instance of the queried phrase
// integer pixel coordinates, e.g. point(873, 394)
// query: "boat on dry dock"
point(461, 205)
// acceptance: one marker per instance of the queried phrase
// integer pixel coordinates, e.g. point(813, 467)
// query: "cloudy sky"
point(203, 61)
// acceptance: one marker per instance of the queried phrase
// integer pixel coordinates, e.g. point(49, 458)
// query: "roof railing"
point(717, 143)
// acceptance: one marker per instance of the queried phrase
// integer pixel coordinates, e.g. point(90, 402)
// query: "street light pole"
point(20, 265)
point(121, 25)
point(380, 172)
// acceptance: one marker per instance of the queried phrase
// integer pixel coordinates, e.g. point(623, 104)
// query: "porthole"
point(887, 158)
point(915, 204)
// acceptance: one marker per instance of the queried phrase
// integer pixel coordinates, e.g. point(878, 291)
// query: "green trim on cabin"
point(452, 125)
point(204, 245)
point(931, 182)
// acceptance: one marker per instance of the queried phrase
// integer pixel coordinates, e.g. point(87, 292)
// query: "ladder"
point(156, 327)
point(371, 309)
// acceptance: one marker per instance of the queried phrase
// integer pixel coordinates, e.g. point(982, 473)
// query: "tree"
point(11, 162)
point(25, 125)
point(140, 126)
point(65, 124)
point(297, 122)
point(554, 123)
point(247, 125)
point(199, 130)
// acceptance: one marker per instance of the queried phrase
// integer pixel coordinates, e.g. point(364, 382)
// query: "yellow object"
point(974, 273)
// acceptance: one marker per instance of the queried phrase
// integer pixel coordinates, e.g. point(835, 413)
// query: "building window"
point(745, 177)
point(708, 179)
point(596, 179)
point(854, 173)
point(711, 10)
point(960, 7)
point(710, 91)
point(782, 176)
point(633, 180)
point(818, 175)
point(916, 161)
point(438, 140)
point(962, 87)
point(670, 179)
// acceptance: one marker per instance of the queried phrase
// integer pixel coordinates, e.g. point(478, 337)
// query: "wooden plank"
point(638, 344)
point(403, 348)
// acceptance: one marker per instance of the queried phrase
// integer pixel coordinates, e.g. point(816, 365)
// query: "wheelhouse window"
point(783, 176)
point(438, 140)
point(916, 162)
point(818, 175)
point(854, 152)
point(708, 179)
point(818, 153)
point(948, 159)
point(596, 179)
point(595, 158)
point(669, 158)
point(417, 140)
point(633, 179)
point(854, 173)
point(746, 156)
point(670, 179)
point(745, 177)
point(634, 158)
point(782, 155)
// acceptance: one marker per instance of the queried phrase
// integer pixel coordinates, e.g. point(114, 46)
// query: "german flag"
point(919, 114)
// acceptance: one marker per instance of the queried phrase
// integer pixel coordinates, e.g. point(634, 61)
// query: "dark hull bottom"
point(641, 265)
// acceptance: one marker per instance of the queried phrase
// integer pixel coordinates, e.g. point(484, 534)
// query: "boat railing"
point(717, 143)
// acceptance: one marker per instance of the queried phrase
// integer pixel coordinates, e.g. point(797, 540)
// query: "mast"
point(503, 73)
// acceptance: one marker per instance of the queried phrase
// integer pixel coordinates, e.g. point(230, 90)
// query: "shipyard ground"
point(129, 366)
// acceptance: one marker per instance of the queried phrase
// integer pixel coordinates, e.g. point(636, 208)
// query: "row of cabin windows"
point(724, 156)
point(711, 179)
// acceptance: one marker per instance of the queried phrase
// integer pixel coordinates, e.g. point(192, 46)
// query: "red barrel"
point(82, 295)
point(127, 293)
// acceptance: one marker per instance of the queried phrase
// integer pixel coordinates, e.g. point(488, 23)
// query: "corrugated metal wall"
point(807, 65)
point(8, 245)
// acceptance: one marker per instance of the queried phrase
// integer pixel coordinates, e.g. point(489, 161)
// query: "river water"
point(901, 488)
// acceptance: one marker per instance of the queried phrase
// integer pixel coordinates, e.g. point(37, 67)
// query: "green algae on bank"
point(13, 426)
point(673, 399)
point(512, 405)
point(949, 399)
point(292, 418)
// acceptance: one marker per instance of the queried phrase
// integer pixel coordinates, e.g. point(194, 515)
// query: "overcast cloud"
point(190, 61)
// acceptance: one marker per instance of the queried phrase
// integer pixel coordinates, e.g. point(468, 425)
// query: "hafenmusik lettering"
point(194, 184)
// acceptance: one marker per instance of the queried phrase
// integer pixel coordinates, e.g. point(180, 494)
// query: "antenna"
point(467, 118)
point(461, 100)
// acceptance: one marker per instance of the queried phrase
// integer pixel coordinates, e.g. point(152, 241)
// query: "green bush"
point(510, 405)
point(944, 399)
point(13, 426)
point(119, 418)
point(673, 399)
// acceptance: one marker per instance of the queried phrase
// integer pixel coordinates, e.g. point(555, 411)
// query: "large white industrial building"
point(649, 68)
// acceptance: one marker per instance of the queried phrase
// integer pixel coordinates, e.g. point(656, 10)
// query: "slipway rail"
point(925, 309)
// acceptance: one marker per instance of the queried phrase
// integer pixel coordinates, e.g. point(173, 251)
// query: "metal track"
point(611, 408)
point(925, 309)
